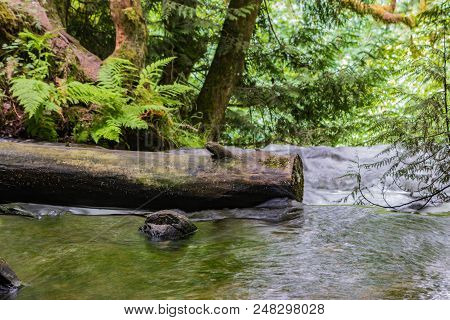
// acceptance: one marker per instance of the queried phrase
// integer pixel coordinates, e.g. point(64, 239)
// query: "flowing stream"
point(279, 250)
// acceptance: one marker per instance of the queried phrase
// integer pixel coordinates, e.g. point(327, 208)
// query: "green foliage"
point(420, 96)
point(115, 74)
point(242, 12)
point(91, 23)
point(179, 9)
point(32, 53)
point(40, 100)
point(124, 101)
point(123, 98)
point(314, 74)
point(416, 126)
point(316, 81)
point(36, 96)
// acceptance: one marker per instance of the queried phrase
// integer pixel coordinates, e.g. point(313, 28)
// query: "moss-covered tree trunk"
point(57, 10)
point(227, 65)
point(187, 45)
point(16, 15)
point(131, 30)
point(11, 23)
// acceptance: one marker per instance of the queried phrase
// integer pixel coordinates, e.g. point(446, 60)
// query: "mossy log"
point(188, 180)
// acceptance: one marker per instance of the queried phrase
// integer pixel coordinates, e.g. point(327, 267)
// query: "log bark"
point(11, 23)
point(187, 180)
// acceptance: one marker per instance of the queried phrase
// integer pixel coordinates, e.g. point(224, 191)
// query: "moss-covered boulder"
point(167, 225)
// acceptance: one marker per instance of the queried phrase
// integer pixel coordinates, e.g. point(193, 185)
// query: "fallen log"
point(189, 180)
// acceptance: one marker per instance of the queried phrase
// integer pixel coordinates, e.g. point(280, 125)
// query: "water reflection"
point(325, 252)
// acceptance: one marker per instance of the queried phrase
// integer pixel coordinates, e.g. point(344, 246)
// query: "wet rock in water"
point(167, 225)
point(9, 282)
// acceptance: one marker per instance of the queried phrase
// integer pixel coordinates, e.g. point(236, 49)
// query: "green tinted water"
point(328, 252)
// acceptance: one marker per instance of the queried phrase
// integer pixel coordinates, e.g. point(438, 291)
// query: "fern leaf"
point(109, 130)
point(34, 95)
point(157, 108)
point(132, 121)
point(153, 72)
point(114, 73)
point(88, 94)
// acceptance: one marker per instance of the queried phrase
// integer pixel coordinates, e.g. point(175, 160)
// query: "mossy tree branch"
point(384, 13)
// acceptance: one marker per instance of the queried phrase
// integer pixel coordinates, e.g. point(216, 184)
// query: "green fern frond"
point(131, 120)
point(109, 130)
point(87, 94)
point(115, 72)
point(43, 127)
point(119, 99)
point(35, 41)
point(173, 90)
point(153, 72)
point(35, 96)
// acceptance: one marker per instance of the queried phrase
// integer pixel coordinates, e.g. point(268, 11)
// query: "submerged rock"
point(31, 210)
point(167, 225)
point(277, 210)
point(14, 209)
point(9, 282)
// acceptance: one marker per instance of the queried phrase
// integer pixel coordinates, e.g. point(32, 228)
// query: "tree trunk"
point(188, 180)
point(131, 30)
point(21, 14)
point(227, 65)
point(187, 44)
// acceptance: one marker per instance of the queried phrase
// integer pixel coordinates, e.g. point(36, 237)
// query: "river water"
point(280, 250)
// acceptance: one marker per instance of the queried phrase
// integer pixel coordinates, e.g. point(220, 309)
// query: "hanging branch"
point(271, 25)
point(436, 187)
point(445, 86)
